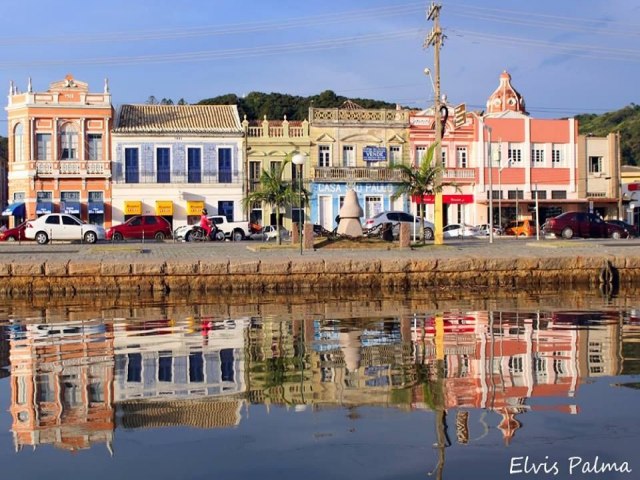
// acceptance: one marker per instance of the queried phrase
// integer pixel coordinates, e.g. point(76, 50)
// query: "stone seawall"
point(312, 274)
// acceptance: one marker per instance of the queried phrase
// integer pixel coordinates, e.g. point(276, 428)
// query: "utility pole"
point(435, 38)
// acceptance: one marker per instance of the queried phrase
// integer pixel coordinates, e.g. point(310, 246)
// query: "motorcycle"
point(197, 234)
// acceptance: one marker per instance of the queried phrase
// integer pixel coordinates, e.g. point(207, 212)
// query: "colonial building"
point(269, 142)
point(354, 147)
point(59, 158)
point(541, 162)
point(175, 160)
point(460, 148)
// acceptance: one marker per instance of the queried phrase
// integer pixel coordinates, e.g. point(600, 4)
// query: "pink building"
point(506, 155)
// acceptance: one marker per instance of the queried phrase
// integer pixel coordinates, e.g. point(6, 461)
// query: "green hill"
point(626, 121)
point(275, 106)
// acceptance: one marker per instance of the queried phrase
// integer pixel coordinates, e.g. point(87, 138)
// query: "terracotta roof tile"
point(178, 119)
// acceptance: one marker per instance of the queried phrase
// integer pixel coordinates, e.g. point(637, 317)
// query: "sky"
point(565, 57)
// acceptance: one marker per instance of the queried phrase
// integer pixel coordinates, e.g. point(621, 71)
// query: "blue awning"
point(44, 207)
point(15, 209)
point(96, 207)
point(70, 207)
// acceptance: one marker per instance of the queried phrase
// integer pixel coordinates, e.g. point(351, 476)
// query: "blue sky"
point(565, 56)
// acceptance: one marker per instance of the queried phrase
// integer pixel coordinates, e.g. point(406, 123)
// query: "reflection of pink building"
point(62, 385)
point(506, 360)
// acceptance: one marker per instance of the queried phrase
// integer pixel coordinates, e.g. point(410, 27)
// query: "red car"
point(141, 227)
point(582, 224)
point(13, 234)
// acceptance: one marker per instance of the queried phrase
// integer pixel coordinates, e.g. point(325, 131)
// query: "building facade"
point(59, 157)
point(175, 160)
point(355, 147)
point(269, 143)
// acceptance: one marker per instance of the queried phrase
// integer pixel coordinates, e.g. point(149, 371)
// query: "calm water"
point(398, 387)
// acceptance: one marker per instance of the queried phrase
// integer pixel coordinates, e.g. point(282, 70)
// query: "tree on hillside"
point(626, 121)
point(255, 105)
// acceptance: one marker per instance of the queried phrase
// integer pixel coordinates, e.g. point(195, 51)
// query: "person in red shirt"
point(205, 223)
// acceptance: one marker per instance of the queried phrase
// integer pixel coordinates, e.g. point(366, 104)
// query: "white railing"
point(66, 167)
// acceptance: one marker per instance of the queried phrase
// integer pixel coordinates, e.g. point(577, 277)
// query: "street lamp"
point(488, 128)
point(299, 159)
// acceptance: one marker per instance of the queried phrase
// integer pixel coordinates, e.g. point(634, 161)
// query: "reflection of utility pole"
point(440, 404)
point(435, 38)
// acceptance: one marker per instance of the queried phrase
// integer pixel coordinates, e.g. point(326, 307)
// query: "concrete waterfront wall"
point(312, 274)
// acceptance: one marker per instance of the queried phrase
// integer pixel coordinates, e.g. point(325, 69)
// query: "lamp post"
point(299, 159)
point(490, 161)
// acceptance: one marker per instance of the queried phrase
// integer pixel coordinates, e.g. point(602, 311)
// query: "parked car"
point(459, 230)
point(632, 230)
point(582, 224)
point(13, 234)
point(521, 228)
point(141, 227)
point(270, 232)
point(61, 226)
point(395, 218)
point(483, 230)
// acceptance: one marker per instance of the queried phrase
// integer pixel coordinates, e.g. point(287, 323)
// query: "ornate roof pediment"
point(395, 138)
point(325, 137)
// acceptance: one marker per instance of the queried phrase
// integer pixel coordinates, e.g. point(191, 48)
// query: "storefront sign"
point(133, 207)
point(448, 199)
point(194, 207)
point(374, 154)
point(164, 208)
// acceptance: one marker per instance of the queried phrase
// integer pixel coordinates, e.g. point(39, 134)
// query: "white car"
point(459, 230)
point(270, 232)
point(395, 218)
point(60, 226)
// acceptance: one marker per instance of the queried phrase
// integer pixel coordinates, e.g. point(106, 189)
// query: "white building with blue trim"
point(174, 160)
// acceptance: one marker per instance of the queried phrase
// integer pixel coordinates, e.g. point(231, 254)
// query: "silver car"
point(61, 226)
point(395, 218)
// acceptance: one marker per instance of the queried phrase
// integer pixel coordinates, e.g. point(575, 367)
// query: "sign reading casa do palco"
point(374, 154)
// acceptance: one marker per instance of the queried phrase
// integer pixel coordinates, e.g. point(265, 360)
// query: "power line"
point(213, 30)
point(235, 53)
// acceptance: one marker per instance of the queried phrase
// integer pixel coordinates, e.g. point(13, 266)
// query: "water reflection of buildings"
point(62, 385)
point(71, 381)
point(169, 374)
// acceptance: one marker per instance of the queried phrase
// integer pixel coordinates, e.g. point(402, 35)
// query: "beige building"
point(268, 143)
point(355, 147)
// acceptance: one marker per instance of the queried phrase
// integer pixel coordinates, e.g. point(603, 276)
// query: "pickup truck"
point(235, 231)
point(232, 230)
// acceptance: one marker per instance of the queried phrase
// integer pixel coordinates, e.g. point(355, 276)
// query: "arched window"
point(18, 143)
point(68, 142)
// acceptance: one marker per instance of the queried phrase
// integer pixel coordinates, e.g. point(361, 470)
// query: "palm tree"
point(424, 180)
point(275, 191)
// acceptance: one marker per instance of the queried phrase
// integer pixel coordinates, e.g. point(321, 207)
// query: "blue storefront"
point(374, 197)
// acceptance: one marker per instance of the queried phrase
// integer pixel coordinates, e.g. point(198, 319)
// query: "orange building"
point(59, 151)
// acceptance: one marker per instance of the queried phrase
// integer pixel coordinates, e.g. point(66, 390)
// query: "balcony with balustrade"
point(276, 130)
point(385, 174)
point(70, 168)
point(460, 175)
point(122, 175)
point(357, 174)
